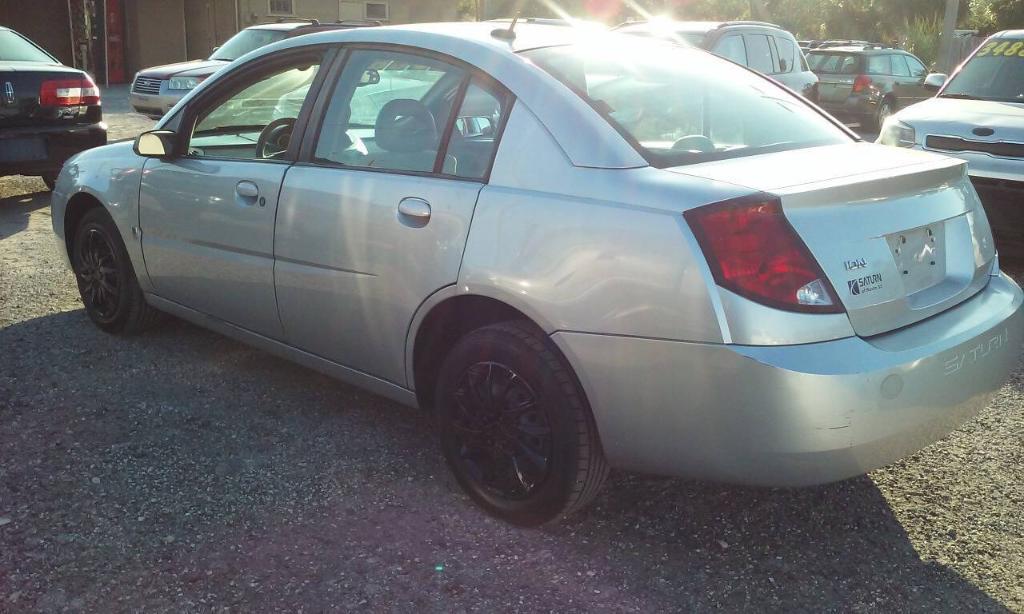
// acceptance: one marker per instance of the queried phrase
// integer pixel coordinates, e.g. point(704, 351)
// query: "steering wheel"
point(694, 142)
point(275, 138)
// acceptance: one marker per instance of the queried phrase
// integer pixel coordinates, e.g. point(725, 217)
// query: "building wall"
point(208, 23)
point(43, 21)
point(155, 33)
point(400, 11)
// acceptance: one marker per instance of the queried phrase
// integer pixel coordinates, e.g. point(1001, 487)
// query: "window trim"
point(271, 11)
point(311, 134)
point(227, 85)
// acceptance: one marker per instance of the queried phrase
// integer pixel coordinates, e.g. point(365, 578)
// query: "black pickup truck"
point(48, 111)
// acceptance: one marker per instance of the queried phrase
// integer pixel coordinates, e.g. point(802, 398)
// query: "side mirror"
point(935, 81)
point(155, 144)
point(215, 49)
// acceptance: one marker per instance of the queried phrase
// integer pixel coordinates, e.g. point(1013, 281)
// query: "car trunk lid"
point(20, 84)
point(900, 234)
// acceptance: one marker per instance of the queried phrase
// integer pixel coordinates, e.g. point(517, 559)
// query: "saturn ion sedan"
point(578, 250)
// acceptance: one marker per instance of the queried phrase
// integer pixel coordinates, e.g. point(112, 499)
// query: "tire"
point(106, 280)
point(516, 430)
point(885, 109)
point(50, 180)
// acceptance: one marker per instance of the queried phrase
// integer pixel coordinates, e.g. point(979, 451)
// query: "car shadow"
point(198, 453)
point(15, 211)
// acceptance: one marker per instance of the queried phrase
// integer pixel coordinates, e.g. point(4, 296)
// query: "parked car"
point(577, 250)
point(978, 116)
point(155, 90)
point(763, 47)
point(48, 111)
point(868, 83)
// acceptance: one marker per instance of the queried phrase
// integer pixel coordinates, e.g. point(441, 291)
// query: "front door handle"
point(247, 189)
point(414, 210)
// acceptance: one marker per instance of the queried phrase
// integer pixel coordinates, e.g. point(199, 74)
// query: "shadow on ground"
point(15, 211)
point(179, 470)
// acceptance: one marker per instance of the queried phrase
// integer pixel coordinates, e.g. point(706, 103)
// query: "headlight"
point(184, 83)
point(897, 134)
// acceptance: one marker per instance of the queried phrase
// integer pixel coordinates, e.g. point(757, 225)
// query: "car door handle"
point(247, 189)
point(414, 210)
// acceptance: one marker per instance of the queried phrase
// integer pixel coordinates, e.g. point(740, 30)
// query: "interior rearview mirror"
point(155, 144)
point(935, 81)
point(370, 77)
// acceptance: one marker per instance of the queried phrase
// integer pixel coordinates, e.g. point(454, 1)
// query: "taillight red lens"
point(861, 83)
point(753, 251)
point(68, 92)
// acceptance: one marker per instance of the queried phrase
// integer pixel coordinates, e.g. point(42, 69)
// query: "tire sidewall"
point(493, 344)
point(100, 221)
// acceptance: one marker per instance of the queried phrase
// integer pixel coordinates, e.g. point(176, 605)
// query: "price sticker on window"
point(1004, 47)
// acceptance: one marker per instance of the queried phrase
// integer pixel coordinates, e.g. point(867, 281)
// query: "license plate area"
point(920, 256)
point(22, 149)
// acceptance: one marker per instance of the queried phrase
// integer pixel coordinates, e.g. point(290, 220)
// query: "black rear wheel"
point(515, 428)
point(106, 280)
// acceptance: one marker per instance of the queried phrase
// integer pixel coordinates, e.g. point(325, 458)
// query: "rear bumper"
point(58, 144)
point(857, 108)
point(797, 415)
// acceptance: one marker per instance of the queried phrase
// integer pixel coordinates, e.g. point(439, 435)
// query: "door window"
point(878, 65)
point(732, 48)
point(255, 121)
point(917, 69)
point(759, 54)
point(787, 54)
point(899, 66)
point(389, 111)
point(475, 135)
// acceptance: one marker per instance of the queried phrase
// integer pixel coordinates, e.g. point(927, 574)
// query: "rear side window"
point(787, 54)
point(899, 66)
point(759, 54)
point(732, 48)
point(878, 65)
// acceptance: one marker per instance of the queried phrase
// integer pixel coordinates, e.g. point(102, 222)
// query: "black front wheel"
point(106, 279)
point(515, 428)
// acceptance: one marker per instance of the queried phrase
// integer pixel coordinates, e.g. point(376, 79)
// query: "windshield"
point(244, 42)
point(996, 72)
point(681, 106)
point(16, 48)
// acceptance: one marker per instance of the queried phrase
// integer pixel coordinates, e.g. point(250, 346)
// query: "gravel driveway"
point(180, 471)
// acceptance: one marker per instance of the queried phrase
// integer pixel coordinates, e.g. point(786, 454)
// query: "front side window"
point(995, 72)
point(679, 106)
point(732, 48)
point(759, 54)
point(917, 69)
point(899, 66)
point(254, 122)
point(389, 111)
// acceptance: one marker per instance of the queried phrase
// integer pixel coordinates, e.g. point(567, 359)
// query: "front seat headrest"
point(406, 125)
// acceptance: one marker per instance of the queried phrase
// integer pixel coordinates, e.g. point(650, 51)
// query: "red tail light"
point(69, 93)
point(753, 251)
point(861, 83)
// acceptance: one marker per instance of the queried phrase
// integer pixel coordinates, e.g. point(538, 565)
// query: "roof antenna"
point(507, 35)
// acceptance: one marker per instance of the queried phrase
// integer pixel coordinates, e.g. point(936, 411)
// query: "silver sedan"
point(578, 250)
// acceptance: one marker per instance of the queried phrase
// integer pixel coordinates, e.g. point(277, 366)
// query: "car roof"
point(696, 26)
point(857, 49)
point(1010, 33)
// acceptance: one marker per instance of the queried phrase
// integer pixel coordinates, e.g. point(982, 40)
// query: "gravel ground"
point(181, 471)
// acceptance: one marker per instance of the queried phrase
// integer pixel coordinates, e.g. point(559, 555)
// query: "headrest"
point(406, 125)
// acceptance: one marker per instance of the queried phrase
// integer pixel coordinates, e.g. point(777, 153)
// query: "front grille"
point(1002, 199)
point(146, 85)
point(952, 143)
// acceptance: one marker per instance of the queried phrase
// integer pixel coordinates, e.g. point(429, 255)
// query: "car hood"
point(959, 118)
point(194, 68)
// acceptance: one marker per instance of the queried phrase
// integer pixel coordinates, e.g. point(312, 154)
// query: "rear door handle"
point(247, 189)
point(415, 210)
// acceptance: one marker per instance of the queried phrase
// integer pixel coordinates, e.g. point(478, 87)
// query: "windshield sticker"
point(863, 285)
point(1009, 48)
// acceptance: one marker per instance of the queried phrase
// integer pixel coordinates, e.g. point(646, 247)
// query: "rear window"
point(16, 48)
point(246, 41)
point(680, 106)
point(834, 63)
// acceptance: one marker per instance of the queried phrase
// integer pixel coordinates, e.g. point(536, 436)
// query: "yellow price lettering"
point(1014, 49)
point(1000, 48)
point(987, 49)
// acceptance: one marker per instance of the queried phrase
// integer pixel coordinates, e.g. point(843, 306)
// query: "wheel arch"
point(78, 205)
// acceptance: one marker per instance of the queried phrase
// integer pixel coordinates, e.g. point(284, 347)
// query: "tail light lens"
point(69, 92)
point(753, 251)
point(861, 83)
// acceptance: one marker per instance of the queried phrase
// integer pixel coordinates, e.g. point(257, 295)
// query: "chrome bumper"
point(797, 415)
